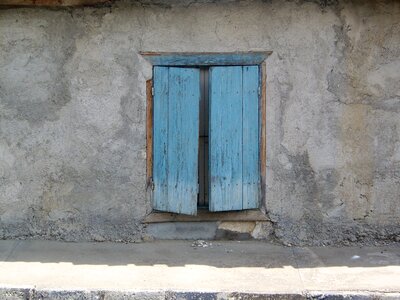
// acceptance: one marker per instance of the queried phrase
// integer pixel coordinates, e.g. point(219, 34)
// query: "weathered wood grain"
point(206, 59)
point(183, 139)
point(176, 125)
point(225, 138)
point(160, 138)
point(149, 131)
point(263, 137)
point(250, 142)
point(52, 2)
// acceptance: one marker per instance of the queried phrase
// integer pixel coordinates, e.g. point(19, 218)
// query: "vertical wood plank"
point(160, 138)
point(183, 139)
point(149, 131)
point(263, 134)
point(176, 127)
point(250, 144)
point(225, 138)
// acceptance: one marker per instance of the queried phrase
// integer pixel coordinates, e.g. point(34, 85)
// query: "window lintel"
point(206, 58)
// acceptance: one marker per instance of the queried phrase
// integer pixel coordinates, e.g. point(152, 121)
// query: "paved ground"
point(180, 270)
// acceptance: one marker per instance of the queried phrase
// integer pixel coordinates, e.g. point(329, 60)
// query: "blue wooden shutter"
point(176, 138)
point(234, 138)
point(251, 137)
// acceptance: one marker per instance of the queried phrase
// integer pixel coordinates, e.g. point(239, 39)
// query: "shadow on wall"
point(227, 254)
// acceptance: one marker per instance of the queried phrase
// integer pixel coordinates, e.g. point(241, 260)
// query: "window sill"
point(204, 215)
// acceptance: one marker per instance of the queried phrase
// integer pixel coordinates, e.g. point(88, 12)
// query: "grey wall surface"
point(72, 114)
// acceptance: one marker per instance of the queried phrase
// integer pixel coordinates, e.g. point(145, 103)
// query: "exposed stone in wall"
point(72, 114)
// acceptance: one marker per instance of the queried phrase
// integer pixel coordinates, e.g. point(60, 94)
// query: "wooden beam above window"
point(51, 3)
point(206, 58)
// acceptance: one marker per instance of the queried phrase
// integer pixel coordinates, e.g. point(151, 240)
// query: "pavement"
point(33, 269)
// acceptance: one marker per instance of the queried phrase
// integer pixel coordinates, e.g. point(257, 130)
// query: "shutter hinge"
point(152, 91)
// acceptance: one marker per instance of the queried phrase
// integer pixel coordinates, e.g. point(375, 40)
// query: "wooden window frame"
point(201, 60)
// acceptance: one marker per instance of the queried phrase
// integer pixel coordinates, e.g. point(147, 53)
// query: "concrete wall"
point(72, 114)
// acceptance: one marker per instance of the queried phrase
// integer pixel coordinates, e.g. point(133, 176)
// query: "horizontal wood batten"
point(206, 59)
point(203, 215)
point(52, 3)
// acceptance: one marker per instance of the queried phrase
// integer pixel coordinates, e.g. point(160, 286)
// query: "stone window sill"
point(204, 215)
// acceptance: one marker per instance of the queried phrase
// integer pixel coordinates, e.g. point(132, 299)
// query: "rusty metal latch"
point(152, 184)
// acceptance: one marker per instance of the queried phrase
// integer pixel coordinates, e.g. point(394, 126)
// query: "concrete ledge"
point(223, 230)
point(204, 215)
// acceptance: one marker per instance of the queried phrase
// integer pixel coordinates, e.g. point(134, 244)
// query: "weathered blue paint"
point(183, 139)
point(225, 138)
point(234, 138)
point(160, 138)
point(206, 59)
point(251, 157)
point(179, 146)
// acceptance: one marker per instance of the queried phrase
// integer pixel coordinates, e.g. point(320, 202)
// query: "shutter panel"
point(234, 138)
point(176, 138)
point(225, 138)
point(160, 138)
point(251, 149)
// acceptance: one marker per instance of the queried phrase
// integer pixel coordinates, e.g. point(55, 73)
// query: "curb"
point(27, 293)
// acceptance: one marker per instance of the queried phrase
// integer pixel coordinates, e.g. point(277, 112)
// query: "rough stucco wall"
point(72, 114)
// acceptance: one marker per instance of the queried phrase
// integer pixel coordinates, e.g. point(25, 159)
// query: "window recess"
point(208, 119)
